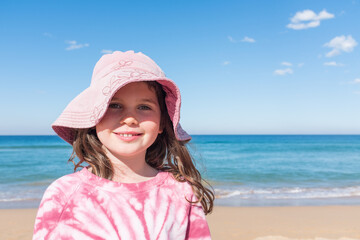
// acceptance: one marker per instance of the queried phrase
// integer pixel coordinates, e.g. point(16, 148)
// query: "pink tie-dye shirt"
point(84, 206)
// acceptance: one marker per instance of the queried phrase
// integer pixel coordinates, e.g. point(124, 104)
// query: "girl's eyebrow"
point(140, 100)
point(148, 100)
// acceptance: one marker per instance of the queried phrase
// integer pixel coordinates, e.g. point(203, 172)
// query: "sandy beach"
point(286, 223)
point(245, 223)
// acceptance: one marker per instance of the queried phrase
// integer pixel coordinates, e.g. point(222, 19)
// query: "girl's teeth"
point(126, 135)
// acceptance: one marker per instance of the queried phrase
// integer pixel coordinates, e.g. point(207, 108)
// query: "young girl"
point(139, 181)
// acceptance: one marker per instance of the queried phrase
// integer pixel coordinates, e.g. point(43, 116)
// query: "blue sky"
point(243, 67)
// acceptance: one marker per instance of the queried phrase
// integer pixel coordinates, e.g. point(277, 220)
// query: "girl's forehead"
point(139, 89)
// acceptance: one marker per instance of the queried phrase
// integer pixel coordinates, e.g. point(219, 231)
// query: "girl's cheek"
point(151, 125)
point(151, 118)
point(111, 114)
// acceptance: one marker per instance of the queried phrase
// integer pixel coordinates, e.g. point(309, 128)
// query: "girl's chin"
point(127, 154)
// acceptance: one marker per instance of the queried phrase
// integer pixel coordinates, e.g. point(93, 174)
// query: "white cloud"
point(226, 63)
point(283, 71)
point(355, 81)
point(340, 44)
point(299, 26)
point(308, 19)
point(334, 64)
point(49, 35)
point(105, 51)
point(247, 39)
point(71, 42)
point(231, 39)
point(286, 63)
point(73, 45)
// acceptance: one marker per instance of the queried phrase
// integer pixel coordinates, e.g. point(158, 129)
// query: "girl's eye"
point(144, 107)
point(114, 105)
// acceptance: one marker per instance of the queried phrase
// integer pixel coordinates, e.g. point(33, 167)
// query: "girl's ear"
point(162, 125)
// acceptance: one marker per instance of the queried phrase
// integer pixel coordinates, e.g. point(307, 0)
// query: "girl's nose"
point(129, 119)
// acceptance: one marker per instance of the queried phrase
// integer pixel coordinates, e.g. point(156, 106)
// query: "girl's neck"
point(131, 169)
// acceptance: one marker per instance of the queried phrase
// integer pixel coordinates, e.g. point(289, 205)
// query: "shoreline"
point(245, 223)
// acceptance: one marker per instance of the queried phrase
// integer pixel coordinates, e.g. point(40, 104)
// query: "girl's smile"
point(128, 136)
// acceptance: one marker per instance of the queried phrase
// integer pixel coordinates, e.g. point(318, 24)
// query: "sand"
point(287, 223)
point(17, 224)
point(245, 223)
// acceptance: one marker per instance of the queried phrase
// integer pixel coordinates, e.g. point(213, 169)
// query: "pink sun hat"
point(112, 72)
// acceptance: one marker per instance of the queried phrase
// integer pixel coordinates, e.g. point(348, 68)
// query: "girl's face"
point(132, 121)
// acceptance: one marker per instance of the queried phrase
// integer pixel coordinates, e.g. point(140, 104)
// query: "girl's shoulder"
point(64, 186)
point(182, 188)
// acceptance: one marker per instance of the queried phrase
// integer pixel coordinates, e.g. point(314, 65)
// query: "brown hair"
point(166, 154)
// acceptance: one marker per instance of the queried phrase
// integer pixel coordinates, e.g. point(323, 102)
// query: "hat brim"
point(87, 109)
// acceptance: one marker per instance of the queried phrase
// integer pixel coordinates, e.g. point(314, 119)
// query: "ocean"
point(244, 170)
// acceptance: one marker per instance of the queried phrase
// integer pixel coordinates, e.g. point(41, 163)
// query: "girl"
point(139, 181)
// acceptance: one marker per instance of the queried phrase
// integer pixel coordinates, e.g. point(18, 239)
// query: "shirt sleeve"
point(197, 226)
point(49, 212)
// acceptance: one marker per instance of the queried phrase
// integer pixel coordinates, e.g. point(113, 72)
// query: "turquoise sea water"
point(244, 170)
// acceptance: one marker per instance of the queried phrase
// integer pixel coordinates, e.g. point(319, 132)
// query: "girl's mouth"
point(129, 136)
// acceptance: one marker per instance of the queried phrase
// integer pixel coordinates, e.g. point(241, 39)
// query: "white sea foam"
point(288, 193)
point(11, 199)
point(17, 199)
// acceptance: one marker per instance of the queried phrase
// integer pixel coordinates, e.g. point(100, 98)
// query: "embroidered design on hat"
point(117, 80)
point(122, 64)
